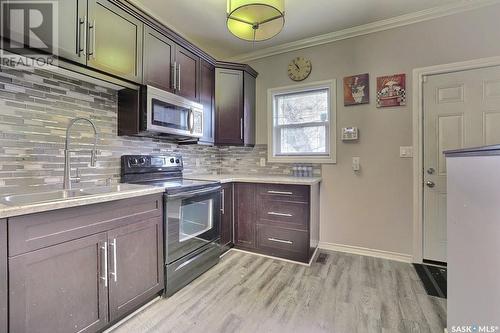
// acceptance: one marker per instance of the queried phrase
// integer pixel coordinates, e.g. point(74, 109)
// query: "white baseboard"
point(363, 251)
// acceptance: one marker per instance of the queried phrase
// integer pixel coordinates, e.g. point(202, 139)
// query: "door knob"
point(430, 184)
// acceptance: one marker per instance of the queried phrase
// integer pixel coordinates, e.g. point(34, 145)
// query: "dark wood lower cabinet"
point(3, 277)
point(227, 216)
point(74, 282)
point(136, 266)
point(61, 288)
point(244, 215)
point(276, 219)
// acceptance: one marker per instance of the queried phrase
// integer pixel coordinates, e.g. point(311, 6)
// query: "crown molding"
point(365, 29)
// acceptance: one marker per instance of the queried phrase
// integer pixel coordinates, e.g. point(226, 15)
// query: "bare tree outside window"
point(301, 123)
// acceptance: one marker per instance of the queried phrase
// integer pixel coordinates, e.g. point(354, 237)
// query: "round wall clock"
point(299, 69)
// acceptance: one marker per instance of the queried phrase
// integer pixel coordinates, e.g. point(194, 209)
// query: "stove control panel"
point(151, 161)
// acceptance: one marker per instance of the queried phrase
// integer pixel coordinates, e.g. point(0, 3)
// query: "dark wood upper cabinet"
point(136, 265)
point(115, 41)
point(72, 22)
point(235, 107)
point(244, 215)
point(159, 53)
point(188, 69)
point(3, 277)
point(227, 215)
point(60, 288)
point(207, 98)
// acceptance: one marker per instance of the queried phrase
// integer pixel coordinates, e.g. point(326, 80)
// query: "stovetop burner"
point(159, 170)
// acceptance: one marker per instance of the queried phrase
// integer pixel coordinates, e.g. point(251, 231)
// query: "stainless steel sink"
point(41, 197)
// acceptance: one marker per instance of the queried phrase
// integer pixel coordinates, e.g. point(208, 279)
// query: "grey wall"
point(374, 208)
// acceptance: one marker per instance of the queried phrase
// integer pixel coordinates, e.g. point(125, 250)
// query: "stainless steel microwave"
point(169, 114)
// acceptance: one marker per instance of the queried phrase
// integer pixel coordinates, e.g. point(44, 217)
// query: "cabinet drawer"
point(294, 214)
point(284, 192)
point(35, 231)
point(282, 242)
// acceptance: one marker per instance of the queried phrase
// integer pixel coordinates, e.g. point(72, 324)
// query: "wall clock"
point(299, 69)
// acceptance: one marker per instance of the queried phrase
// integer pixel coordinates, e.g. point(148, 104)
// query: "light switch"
point(262, 162)
point(406, 152)
point(198, 162)
point(355, 164)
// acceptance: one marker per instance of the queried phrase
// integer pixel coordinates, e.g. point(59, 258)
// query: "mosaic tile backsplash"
point(35, 109)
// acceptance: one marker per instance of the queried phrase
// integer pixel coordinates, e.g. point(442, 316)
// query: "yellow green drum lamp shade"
point(255, 20)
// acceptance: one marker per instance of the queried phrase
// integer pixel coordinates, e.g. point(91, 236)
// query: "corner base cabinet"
point(82, 269)
point(277, 220)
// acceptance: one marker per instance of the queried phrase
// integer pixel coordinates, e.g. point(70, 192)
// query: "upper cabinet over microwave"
point(169, 66)
point(99, 34)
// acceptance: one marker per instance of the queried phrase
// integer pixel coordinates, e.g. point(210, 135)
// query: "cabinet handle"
point(105, 277)
point(179, 79)
point(79, 48)
point(223, 204)
point(279, 214)
point(241, 129)
point(280, 240)
point(279, 192)
point(92, 51)
point(115, 273)
point(175, 75)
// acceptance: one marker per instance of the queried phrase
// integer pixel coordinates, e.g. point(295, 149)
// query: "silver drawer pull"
point(279, 214)
point(279, 192)
point(280, 241)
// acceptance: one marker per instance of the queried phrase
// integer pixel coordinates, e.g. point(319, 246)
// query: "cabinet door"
point(115, 41)
point(188, 69)
point(227, 215)
point(72, 24)
point(244, 216)
point(229, 107)
point(3, 276)
point(135, 265)
point(207, 98)
point(60, 288)
point(249, 110)
point(158, 60)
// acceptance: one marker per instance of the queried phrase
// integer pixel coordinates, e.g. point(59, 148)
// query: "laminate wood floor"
point(344, 294)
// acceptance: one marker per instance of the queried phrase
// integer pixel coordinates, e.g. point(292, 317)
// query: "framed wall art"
point(391, 90)
point(357, 89)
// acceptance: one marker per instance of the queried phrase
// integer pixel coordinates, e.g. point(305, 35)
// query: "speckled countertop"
point(259, 179)
point(126, 191)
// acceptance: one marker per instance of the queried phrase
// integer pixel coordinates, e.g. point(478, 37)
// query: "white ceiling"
point(204, 21)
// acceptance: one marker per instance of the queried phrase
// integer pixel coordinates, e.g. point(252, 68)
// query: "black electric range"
point(191, 216)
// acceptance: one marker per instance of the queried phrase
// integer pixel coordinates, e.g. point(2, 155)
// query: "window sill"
point(302, 159)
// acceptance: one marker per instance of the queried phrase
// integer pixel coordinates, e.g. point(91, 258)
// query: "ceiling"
point(203, 22)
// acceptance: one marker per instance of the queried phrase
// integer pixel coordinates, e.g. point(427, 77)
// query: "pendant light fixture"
point(255, 20)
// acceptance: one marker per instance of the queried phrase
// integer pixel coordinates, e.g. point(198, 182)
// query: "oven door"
point(171, 114)
point(192, 221)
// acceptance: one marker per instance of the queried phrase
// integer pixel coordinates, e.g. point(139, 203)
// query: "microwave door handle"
point(191, 120)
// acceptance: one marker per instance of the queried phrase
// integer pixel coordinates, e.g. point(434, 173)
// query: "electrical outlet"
point(406, 152)
point(262, 162)
point(356, 164)
point(198, 162)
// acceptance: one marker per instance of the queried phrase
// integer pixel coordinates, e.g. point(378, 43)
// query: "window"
point(303, 123)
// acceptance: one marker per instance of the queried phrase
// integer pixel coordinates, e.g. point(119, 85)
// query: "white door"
point(461, 109)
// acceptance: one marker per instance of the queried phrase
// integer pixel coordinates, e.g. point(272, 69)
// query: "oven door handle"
point(193, 193)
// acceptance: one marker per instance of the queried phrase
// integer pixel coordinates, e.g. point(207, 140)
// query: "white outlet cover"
point(262, 162)
point(406, 152)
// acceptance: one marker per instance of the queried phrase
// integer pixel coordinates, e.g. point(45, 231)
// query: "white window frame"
point(331, 127)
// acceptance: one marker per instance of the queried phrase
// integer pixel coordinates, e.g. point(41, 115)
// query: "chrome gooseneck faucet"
point(67, 151)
